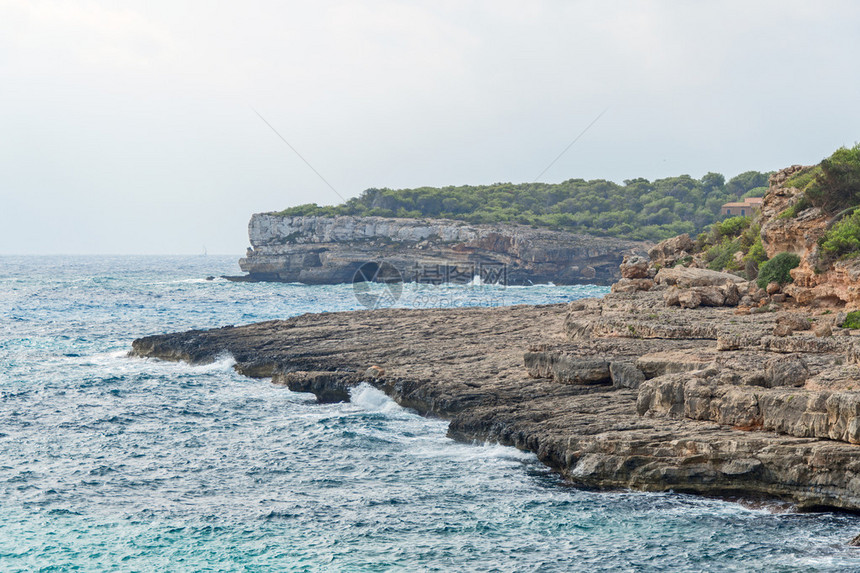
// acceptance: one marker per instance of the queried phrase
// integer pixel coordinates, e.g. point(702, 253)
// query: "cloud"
point(144, 108)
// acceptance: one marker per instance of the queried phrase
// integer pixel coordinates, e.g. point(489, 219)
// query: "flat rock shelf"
point(575, 384)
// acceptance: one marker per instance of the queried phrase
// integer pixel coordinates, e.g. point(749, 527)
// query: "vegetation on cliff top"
point(638, 209)
point(843, 239)
point(833, 185)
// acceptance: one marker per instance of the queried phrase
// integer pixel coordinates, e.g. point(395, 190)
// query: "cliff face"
point(814, 283)
point(789, 224)
point(329, 250)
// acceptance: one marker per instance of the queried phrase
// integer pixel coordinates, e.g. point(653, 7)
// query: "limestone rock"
point(782, 330)
point(684, 277)
point(632, 285)
point(374, 372)
point(694, 297)
point(329, 250)
point(788, 371)
point(690, 298)
point(660, 363)
point(625, 374)
point(823, 330)
point(635, 267)
point(667, 253)
point(706, 431)
point(567, 369)
point(794, 321)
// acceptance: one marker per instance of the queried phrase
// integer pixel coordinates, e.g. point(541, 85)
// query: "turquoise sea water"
point(109, 463)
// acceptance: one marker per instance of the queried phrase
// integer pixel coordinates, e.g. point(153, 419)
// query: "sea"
point(112, 463)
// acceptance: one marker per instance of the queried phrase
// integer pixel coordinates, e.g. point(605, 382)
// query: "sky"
point(132, 127)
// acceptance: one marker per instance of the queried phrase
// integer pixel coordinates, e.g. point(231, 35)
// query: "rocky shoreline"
point(620, 392)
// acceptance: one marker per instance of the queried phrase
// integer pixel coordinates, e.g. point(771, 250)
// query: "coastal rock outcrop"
point(621, 392)
point(329, 250)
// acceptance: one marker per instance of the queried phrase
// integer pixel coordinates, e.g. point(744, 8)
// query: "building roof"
point(754, 202)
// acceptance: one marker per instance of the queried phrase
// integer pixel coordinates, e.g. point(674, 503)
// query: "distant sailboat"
point(204, 251)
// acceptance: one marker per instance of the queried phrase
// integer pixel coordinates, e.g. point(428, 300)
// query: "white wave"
point(498, 451)
point(474, 452)
point(224, 362)
point(370, 399)
point(538, 285)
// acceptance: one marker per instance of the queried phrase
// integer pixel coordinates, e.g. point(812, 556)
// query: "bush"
point(733, 226)
point(843, 240)
point(801, 204)
point(755, 192)
point(852, 320)
point(837, 184)
point(803, 178)
point(756, 253)
point(636, 209)
point(722, 256)
point(777, 269)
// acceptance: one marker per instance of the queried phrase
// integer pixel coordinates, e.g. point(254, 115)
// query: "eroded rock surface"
point(622, 392)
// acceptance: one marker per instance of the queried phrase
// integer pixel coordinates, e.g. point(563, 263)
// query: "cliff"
point(329, 250)
point(816, 281)
point(788, 223)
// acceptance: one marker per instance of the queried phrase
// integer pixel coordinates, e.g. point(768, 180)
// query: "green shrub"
point(837, 184)
point(637, 209)
point(722, 256)
point(843, 239)
point(755, 192)
point(776, 270)
point(801, 204)
point(803, 178)
point(750, 236)
point(852, 320)
point(756, 253)
point(733, 226)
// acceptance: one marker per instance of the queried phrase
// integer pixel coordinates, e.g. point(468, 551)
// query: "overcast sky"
point(129, 127)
